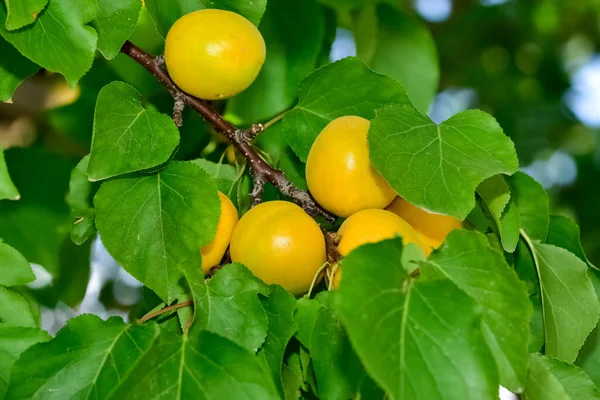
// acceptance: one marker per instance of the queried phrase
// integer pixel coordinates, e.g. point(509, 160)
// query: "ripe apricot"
point(214, 54)
point(369, 226)
point(432, 228)
point(213, 252)
point(280, 244)
point(339, 173)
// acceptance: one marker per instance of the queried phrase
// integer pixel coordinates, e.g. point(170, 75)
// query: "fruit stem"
point(260, 169)
point(164, 310)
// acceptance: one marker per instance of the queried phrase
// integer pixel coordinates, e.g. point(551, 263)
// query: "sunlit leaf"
point(22, 12)
point(128, 137)
point(438, 167)
point(14, 268)
point(60, 41)
point(152, 224)
point(496, 196)
point(428, 333)
point(115, 22)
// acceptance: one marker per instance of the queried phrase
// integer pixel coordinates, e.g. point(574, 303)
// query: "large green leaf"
point(14, 340)
point(346, 87)
point(589, 355)
point(22, 12)
point(88, 359)
point(14, 268)
point(483, 273)
point(81, 192)
point(7, 187)
point(564, 232)
point(550, 378)
point(60, 41)
point(280, 307)
point(532, 202)
point(15, 310)
point(115, 22)
point(429, 336)
point(293, 32)
point(152, 224)
point(338, 371)
point(228, 305)
point(37, 224)
point(496, 196)
point(201, 366)
point(438, 167)
point(396, 44)
point(166, 12)
point(569, 302)
point(127, 137)
point(14, 69)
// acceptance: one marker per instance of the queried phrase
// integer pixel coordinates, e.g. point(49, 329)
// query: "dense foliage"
point(510, 300)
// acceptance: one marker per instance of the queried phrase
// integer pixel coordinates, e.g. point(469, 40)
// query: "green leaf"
point(279, 306)
point(203, 366)
point(21, 13)
point(115, 22)
point(292, 377)
point(14, 340)
point(495, 193)
point(166, 12)
point(525, 268)
point(550, 378)
point(81, 192)
point(339, 373)
point(14, 268)
point(229, 306)
point(533, 204)
point(37, 224)
point(293, 32)
point(394, 43)
point(428, 333)
point(569, 302)
point(346, 87)
point(152, 224)
point(92, 355)
point(589, 355)
point(15, 310)
point(14, 69)
point(564, 232)
point(127, 137)
point(8, 191)
point(60, 41)
point(483, 273)
point(438, 167)
point(226, 177)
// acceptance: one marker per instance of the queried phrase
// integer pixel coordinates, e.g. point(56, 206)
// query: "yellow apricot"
point(339, 173)
point(280, 244)
point(432, 228)
point(213, 252)
point(214, 54)
point(369, 226)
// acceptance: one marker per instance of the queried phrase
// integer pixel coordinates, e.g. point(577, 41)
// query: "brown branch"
point(164, 310)
point(331, 242)
point(238, 137)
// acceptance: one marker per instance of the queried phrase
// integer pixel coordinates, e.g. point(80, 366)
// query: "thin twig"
point(164, 310)
point(239, 138)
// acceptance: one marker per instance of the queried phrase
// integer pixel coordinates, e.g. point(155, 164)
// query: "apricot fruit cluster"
point(215, 54)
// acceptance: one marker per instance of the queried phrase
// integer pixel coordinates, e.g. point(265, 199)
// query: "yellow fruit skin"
point(432, 228)
point(214, 54)
point(213, 252)
point(280, 244)
point(338, 170)
point(369, 226)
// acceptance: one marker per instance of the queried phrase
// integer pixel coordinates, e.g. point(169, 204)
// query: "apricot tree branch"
point(240, 138)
